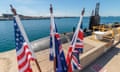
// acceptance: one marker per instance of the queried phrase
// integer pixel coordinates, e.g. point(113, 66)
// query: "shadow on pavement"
point(101, 61)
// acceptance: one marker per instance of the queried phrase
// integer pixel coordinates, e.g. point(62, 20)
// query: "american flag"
point(24, 54)
point(75, 48)
point(56, 52)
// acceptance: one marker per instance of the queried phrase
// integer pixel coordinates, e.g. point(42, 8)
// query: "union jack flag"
point(75, 48)
point(56, 52)
point(24, 54)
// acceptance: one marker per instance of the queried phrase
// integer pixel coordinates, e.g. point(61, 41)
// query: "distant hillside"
point(10, 17)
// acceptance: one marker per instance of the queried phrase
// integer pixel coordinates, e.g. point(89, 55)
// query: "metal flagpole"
point(53, 33)
point(24, 34)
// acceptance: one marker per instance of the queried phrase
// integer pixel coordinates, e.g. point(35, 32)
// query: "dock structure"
point(93, 50)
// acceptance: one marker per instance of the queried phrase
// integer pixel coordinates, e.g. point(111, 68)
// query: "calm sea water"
point(37, 29)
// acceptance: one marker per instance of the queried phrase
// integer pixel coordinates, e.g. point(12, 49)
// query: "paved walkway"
point(109, 62)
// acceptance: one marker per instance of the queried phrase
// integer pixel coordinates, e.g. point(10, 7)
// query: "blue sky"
point(61, 7)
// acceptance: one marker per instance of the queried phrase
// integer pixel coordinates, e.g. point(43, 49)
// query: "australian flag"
point(56, 52)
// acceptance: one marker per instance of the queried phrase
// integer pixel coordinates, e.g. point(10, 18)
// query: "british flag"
point(24, 54)
point(56, 52)
point(75, 48)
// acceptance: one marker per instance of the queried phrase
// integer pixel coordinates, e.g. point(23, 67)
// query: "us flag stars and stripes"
point(23, 47)
point(24, 55)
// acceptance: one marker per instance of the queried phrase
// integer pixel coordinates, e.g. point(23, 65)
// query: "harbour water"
point(37, 29)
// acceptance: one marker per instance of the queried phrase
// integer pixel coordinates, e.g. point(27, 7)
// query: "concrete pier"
point(93, 49)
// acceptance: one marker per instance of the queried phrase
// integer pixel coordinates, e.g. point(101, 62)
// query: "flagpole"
point(78, 27)
point(53, 39)
point(76, 32)
point(24, 34)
